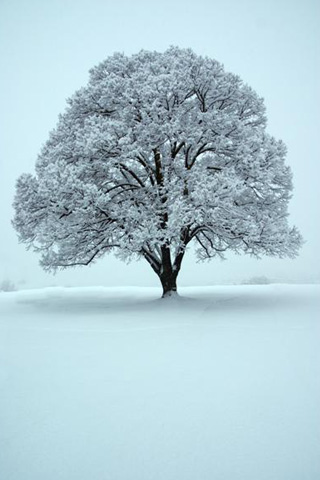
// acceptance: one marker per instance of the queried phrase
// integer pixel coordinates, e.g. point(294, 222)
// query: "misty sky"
point(47, 48)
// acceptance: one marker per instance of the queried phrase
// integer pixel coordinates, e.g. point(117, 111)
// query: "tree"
point(157, 151)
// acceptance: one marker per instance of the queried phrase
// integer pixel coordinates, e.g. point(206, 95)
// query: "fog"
point(47, 49)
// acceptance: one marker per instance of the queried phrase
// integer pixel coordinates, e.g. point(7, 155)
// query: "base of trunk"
point(169, 285)
point(170, 294)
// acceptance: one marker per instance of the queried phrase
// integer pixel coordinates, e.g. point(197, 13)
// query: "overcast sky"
point(47, 48)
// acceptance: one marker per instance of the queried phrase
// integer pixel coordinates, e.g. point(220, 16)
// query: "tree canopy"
point(157, 151)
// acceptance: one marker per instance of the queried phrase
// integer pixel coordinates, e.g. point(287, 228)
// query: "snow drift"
point(100, 383)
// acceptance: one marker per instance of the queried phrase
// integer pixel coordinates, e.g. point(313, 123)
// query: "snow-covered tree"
point(157, 151)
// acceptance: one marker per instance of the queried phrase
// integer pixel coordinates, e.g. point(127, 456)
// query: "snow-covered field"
point(115, 384)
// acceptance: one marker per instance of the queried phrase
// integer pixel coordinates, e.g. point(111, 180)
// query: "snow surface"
point(116, 384)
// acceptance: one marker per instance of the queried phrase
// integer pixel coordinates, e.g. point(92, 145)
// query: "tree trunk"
point(169, 284)
point(166, 270)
